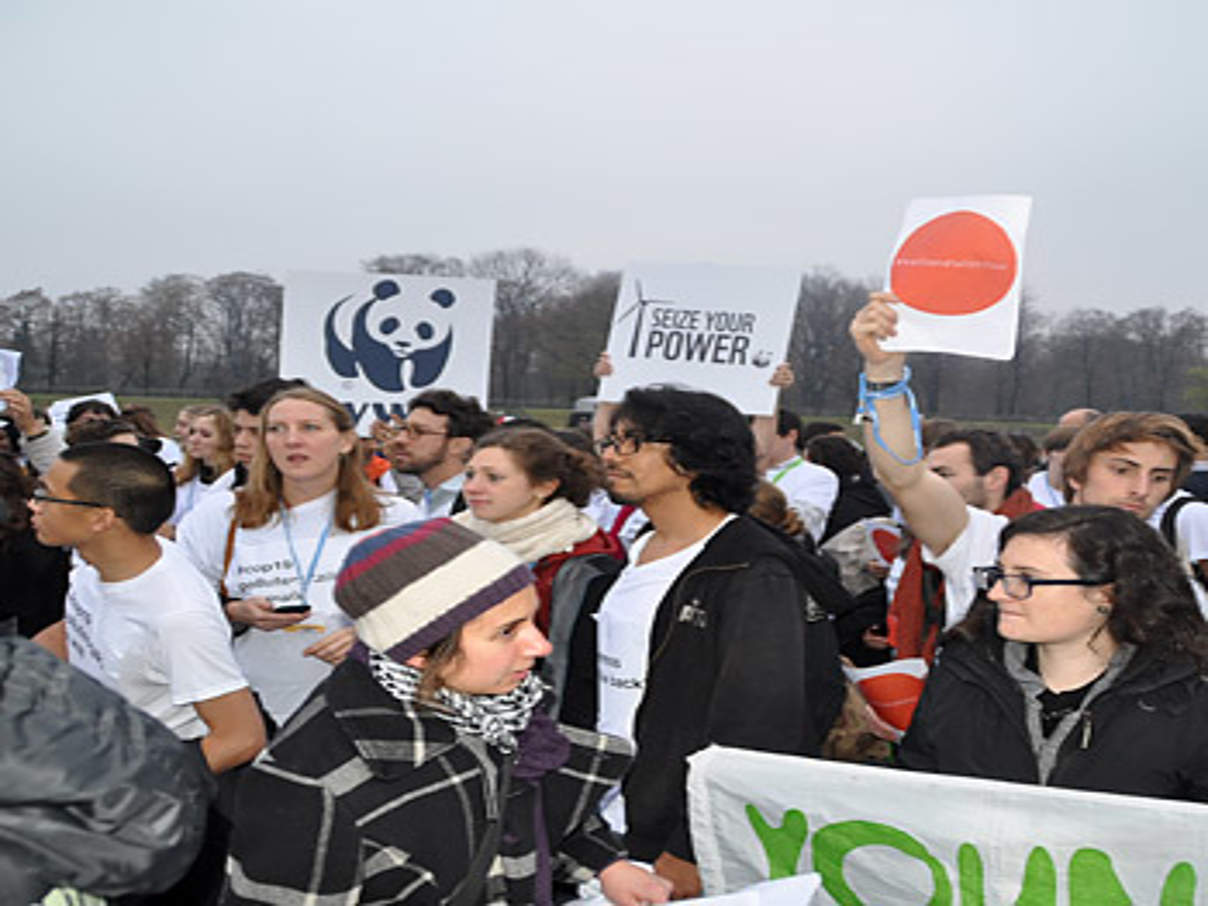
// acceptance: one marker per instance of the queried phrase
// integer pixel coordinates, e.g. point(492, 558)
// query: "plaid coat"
point(362, 799)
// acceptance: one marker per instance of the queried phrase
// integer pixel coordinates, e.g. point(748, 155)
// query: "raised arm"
point(932, 508)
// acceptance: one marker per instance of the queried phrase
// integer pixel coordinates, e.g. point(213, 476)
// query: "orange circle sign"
point(955, 264)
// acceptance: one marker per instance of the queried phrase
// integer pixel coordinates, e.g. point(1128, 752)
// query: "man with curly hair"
point(710, 634)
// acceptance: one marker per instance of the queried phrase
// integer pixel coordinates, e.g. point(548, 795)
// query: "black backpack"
point(1167, 529)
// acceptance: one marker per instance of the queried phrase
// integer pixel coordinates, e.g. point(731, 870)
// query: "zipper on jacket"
point(1086, 730)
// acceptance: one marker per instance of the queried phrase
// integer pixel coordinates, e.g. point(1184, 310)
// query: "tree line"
point(185, 335)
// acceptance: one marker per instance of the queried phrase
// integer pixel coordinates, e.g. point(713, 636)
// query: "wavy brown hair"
point(357, 505)
point(543, 457)
point(224, 457)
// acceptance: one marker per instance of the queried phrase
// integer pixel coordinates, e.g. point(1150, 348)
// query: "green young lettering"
point(971, 876)
point(832, 844)
point(1179, 889)
point(782, 845)
point(1039, 880)
point(1093, 881)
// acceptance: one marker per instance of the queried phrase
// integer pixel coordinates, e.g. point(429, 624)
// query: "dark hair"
point(1059, 438)
point(1026, 449)
point(1111, 431)
point(543, 457)
point(85, 406)
point(709, 438)
point(1153, 605)
point(15, 487)
point(135, 484)
point(988, 450)
point(935, 428)
point(1197, 422)
point(96, 432)
point(839, 455)
point(787, 420)
point(817, 429)
point(466, 417)
point(252, 399)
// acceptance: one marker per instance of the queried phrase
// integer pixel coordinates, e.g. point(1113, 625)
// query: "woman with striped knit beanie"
point(426, 767)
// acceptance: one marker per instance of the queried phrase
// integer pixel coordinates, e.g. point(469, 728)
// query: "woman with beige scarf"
point(524, 488)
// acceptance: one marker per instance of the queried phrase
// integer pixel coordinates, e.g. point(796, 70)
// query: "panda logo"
point(388, 334)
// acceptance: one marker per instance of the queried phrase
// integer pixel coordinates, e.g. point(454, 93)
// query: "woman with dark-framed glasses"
point(1082, 666)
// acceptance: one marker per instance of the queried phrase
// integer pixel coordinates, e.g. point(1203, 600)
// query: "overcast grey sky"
point(145, 137)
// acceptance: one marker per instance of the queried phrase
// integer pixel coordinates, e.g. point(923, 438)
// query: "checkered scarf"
point(497, 719)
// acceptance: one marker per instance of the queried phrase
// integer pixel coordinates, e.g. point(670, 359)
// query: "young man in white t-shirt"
point(139, 618)
point(705, 636)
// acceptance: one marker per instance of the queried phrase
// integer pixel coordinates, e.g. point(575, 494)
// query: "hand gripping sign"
point(956, 268)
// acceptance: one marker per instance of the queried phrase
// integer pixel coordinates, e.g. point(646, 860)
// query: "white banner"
point(373, 341)
point(880, 836)
point(703, 326)
point(957, 267)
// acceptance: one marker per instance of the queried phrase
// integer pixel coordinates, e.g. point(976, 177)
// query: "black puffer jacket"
point(1144, 735)
point(94, 794)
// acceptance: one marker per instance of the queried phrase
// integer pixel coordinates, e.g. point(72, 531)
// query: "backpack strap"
point(1167, 526)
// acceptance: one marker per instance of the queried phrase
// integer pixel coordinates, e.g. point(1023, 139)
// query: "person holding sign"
point(1087, 671)
point(276, 545)
point(1130, 460)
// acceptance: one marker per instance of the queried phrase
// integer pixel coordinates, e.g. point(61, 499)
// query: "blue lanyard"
point(304, 581)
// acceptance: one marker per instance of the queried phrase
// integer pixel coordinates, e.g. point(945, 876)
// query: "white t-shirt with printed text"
point(160, 639)
point(262, 565)
point(624, 622)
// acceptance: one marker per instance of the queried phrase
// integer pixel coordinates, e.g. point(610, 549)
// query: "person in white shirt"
point(138, 617)
point(1047, 487)
point(209, 461)
point(1130, 460)
point(435, 443)
point(276, 545)
point(810, 489)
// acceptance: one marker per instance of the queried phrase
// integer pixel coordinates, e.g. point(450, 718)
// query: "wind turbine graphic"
point(640, 306)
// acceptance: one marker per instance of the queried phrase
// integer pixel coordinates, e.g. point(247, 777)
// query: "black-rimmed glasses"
point(39, 495)
point(1018, 586)
point(624, 444)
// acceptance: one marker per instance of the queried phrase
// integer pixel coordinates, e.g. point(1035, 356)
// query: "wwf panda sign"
point(373, 341)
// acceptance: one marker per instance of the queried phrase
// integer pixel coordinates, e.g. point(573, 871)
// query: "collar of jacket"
point(391, 736)
point(1145, 674)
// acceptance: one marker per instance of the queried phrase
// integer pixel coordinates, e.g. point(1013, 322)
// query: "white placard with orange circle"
point(957, 268)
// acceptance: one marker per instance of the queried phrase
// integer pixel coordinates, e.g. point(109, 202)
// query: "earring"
point(1103, 609)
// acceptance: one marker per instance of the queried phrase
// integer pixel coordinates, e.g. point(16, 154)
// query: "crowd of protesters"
point(464, 659)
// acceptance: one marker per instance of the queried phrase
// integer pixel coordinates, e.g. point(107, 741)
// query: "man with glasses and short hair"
point(140, 619)
point(706, 636)
point(435, 443)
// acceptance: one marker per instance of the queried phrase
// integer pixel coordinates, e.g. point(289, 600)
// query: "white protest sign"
point(10, 368)
point(878, 835)
point(373, 341)
point(957, 268)
point(703, 326)
point(57, 411)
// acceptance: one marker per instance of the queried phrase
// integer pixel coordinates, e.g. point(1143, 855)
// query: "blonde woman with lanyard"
point(276, 545)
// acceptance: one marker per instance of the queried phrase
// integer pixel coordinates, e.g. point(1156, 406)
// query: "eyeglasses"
point(39, 495)
point(412, 431)
point(1018, 586)
point(625, 444)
